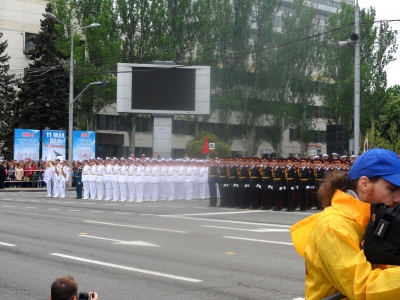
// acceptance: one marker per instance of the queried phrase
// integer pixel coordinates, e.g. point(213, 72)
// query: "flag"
point(205, 148)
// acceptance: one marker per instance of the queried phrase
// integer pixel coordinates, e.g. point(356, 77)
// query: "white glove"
point(292, 188)
point(307, 187)
point(284, 188)
point(297, 187)
point(259, 186)
point(313, 187)
point(235, 185)
point(280, 188)
point(269, 186)
point(79, 183)
point(216, 184)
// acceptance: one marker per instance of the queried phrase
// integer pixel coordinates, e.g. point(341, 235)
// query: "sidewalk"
point(43, 190)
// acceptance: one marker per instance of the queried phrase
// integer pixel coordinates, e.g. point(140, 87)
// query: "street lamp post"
point(355, 39)
point(71, 85)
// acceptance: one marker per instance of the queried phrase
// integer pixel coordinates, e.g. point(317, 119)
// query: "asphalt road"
point(150, 250)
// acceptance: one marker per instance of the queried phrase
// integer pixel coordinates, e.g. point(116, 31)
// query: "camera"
point(84, 296)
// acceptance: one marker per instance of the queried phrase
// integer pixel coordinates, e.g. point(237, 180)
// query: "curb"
point(10, 190)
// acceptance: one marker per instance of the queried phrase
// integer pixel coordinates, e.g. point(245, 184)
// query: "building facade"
point(20, 19)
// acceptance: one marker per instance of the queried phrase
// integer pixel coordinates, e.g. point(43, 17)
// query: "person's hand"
point(93, 296)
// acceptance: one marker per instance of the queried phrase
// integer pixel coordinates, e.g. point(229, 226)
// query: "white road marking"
point(53, 209)
point(8, 206)
point(88, 203)
point(202, 207)
point(8, 245)
point(73, 210)
point(119, 242)
point(96, 211)
point(53, 201)
point(69, 202)
point(132, 226)
point(20, 200)
point(175, 206)
point(151, 205)
point(146, 215)
point(222, 213)
point(127, 268)
point(252, 230)
point(111, 204)
point(257, 240)
point(33, 200)
point(31, 207)
point(298, 299)
point(134, 205)
point(6, 199)
point(223, 221)
point(122, 213)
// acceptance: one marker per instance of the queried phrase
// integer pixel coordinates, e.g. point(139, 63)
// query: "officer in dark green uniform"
point(78, 180)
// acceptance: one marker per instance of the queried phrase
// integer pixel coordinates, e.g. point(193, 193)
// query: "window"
point(177, 153)
point(318, 137)
point(121, 126)
point(107, 122)
point(293, 135)
point(144, 125)
point(278, 21)
point(321, 112)
point(182, 127)
point(29, 45)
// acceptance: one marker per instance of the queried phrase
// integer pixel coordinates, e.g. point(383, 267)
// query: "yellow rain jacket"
point(330, 244)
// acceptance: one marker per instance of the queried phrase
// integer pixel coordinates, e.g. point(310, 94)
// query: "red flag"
point(205, 148)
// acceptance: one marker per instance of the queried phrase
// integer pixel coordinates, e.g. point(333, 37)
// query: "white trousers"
point(123, 190)
point(180, 190)
point(86, 189)
point(115, 188)
point(202, 190)
point(56, 188)
point(147, 191)
point(63, 187)
point(100, 190)
point(154, 191)
point(189, 190)
point(109, 190)
point(49, 185)
point(93, 189)
point(131, 191)
point(139, 191)
point(170, 191)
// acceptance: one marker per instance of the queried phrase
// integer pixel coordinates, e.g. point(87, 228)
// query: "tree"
point(7, 98)
point(378, 45)
point(43, 96)
point(96, 56)
point(194, 147)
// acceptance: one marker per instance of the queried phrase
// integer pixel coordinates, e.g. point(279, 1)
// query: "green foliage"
point(7, 98)
point(378, 45)
point(389, 139)
point(43, 96)
point(194, 148)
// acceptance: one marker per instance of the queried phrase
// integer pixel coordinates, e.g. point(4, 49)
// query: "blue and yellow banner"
point(84, 145)
point(26, 144)
point(53, 144)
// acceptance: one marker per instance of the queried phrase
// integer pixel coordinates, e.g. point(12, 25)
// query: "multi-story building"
point(19, 19)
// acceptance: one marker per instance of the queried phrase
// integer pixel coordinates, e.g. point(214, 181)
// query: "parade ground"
point(175, 250)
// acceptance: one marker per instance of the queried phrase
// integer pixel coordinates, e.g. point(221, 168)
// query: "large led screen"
point(163, 89)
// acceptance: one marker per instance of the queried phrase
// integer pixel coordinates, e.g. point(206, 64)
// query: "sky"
point(388, 10)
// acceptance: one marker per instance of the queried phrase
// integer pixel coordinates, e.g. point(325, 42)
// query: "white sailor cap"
point(315, 157)
point(123, 159)
point(131, 159)
point(325, 155)
point(353, 156)
point(335, 154)
point(107, 158)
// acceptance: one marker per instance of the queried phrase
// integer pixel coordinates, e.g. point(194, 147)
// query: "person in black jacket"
point(2, 175)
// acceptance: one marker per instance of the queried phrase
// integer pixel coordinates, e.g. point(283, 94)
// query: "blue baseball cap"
point(377, 163)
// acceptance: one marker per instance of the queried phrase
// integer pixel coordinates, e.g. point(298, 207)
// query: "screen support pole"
point(162, 136)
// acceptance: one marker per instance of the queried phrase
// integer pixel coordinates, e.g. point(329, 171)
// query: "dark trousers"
point(79, 187)
point(223, 193)
point(2, 181)
point(213, 192)
point(232, 195)
point(304, 194)
point(242, 195)
point(254, 194)
point(278, 195)
point(290, 196)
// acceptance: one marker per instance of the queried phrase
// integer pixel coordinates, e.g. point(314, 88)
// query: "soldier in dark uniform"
point(304, 174)
point(319, 175)
point(290, 184)
point(232, 183)
point(253, 182)
point(212, 181)
point(243, 180)
point(266, 183)
point(278, 177)
point(222, 182)
point(78, 179)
